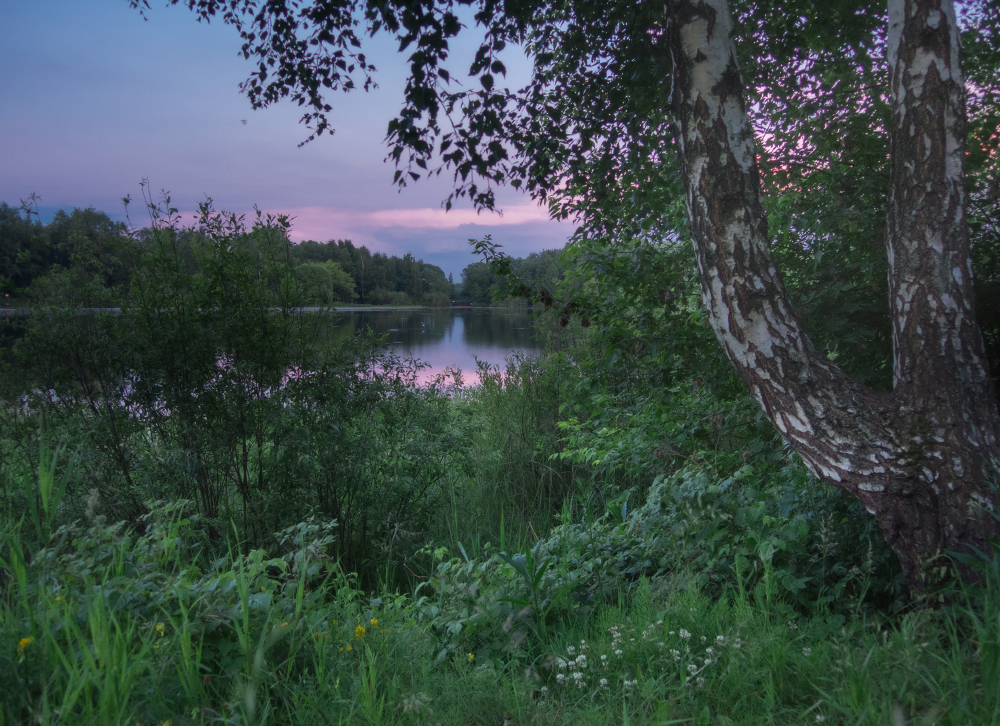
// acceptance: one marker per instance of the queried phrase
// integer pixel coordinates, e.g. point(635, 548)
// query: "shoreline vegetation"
point(333, 273)
point(213, 513)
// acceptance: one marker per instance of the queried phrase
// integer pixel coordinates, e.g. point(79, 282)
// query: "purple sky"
point(96, 99)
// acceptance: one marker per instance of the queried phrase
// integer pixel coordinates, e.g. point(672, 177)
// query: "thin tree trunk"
point(921, 458)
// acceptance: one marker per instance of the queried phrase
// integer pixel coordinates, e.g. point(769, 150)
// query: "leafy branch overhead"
point(591, 132)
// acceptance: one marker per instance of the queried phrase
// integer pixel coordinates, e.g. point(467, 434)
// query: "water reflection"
point(450, 337)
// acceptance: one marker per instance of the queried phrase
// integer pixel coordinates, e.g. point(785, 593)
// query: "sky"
point(96, 99)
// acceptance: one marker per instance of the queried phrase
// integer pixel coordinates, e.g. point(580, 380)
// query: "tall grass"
point(517, 484)
point(102, 627)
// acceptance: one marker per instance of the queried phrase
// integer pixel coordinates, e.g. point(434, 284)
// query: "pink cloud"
point(323, 223)
point(432, 234)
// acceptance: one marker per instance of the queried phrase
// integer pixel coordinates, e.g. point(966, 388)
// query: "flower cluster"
point(575, 667)
point(613, 667)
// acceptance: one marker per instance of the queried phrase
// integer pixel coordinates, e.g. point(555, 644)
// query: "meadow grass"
point(102, 627)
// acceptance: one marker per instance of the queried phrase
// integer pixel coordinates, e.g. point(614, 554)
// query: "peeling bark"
point(921, 458)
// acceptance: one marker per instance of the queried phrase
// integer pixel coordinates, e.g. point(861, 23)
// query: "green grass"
point(103, 627)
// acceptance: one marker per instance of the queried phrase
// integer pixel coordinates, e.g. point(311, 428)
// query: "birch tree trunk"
point(923, 457)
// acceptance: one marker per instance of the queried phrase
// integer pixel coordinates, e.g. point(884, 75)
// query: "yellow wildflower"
point(25, 642)
point(374, 623)
point(284, 625)
point(349, 648)
point(471, 657)
point(159, 629)
point(341, 649)
point(359, 632)
point(58, 598)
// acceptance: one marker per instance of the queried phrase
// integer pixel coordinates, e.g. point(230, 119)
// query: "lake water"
point(448, 337)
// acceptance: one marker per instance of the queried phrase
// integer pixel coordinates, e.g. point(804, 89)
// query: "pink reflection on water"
point(440, 363)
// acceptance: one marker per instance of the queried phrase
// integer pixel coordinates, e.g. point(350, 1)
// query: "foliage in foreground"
point(105, 626)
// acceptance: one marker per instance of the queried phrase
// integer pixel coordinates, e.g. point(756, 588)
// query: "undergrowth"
point(210, 520)
point(104, 626)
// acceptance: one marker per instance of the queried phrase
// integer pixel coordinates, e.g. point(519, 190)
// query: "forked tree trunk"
point(921, 458)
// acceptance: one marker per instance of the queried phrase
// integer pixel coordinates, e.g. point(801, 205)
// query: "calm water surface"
point(450, 337)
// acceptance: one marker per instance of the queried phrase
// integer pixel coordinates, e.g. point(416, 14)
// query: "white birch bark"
point(921, 457)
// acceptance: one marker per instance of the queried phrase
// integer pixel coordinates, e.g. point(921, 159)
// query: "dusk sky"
point(96, 99)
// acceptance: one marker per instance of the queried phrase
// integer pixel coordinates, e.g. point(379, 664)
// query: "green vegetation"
point(212, 514)
point(374, 278)
point(88, 242)
point(481, 285)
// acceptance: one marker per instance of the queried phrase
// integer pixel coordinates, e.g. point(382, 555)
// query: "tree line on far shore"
point(89, 243)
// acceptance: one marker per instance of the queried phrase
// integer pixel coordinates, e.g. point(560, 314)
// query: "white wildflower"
point(685, 634)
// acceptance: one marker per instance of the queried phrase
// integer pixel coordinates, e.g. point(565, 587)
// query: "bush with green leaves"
point(207, 382)
point(764, 534)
